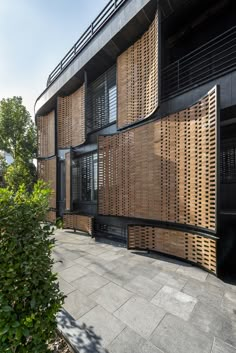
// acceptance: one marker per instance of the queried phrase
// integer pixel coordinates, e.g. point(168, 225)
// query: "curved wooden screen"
point(189, 246)
point(68, 180)
point(47, 173)
point(164, 170)
point(80, 222)
point(71, 119)
point(137, 78)
point(46, 135)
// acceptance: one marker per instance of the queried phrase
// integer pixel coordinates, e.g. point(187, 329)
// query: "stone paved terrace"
point(121, 301)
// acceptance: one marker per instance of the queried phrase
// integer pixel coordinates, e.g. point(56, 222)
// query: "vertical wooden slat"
point(68, 180)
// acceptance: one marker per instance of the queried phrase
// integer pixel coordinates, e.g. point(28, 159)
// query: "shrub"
point(29, 293)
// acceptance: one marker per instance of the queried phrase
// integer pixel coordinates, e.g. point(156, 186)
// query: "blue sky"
point(34, 37)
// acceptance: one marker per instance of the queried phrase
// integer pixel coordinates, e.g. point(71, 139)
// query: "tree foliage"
point(29, 293)
point(17, 130)
point(20, 172)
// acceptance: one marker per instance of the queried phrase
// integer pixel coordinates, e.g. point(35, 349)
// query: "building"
point(137, 129)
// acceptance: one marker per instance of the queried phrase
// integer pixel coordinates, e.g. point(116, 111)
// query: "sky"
point(34, 36)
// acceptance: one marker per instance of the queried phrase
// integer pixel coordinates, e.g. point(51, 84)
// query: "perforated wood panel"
point(80, 222)
point(164, 170)
point(192, 247)
point(51, 216)
point(68, 180)
point(46, 135)
point(137, 78)
point(71, 119)
point(47, 173)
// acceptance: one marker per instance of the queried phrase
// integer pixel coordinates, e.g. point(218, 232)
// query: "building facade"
point(137, 130)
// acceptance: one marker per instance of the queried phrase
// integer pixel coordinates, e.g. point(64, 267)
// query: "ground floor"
point(123, 301)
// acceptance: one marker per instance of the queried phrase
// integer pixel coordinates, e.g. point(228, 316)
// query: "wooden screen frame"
point(84, 223)
point(47, 171)
point(196, 248)
point(46, 135)
point(111, 207)
point(71, 131)
point(138, 76)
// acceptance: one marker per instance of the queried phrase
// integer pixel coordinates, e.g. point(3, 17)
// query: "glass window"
point(101, 102)
point(84, 178)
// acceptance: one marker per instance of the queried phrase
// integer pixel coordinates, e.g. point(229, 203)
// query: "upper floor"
point(195, 45)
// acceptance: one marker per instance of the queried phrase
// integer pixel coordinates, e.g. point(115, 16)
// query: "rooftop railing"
point(96, 25)
point(211, 60)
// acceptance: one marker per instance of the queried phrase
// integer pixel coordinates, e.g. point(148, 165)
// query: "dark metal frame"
point(176, 71)
point(109, 10)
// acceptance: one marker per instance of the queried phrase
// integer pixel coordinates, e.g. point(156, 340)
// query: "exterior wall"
point(158, 163)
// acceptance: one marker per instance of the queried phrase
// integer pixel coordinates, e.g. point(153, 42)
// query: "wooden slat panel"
point(46, 135)
point(137, 78)
point(51, 216)
point(68, 180)
point(164, 170)
point(196, 248)
point(71, 119)
point(47, 173)
point(79, 222)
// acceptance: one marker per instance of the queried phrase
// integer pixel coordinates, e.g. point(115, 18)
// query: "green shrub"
point(29, 293)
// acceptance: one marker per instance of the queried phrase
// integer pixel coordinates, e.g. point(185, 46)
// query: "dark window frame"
point(101, 101)
point(84, 179)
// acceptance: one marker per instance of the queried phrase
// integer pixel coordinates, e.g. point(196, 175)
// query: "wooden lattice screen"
point(68, 180)
point(71, 119)
point(137, 78)
point(192, 247)
point(46, 135)
point(164, 170)
point(80, 222)
point(47, 172)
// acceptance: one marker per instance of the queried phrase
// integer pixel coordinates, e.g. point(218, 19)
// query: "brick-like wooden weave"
point(137, 78)
point(47, 172)
point(164, 170)
point(46, 135)
point(68, 180)
point(79, 222)
point(192, 247)
point(71, 119)
point(51, 216)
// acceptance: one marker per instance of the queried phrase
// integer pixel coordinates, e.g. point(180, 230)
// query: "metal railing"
point(216, 57)
point(96, 25)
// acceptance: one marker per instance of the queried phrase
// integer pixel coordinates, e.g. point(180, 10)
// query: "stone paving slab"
point(104, 323)
point(130, 342)
point(122, 301)
point(175, 302)
point(175, 335)
point(140, 315)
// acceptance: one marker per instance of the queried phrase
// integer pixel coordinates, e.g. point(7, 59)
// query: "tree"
point(29, 293)
point(20, 172)
point(18, 137)
point(17, 130)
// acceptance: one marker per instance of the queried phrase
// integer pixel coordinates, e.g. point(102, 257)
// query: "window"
point(228, 162)
point(84, 178)
point(102, 105)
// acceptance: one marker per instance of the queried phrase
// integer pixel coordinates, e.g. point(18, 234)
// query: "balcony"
point(213, 59)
